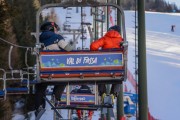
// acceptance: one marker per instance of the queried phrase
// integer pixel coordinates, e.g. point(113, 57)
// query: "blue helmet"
point(49, 26)
point(115, 27)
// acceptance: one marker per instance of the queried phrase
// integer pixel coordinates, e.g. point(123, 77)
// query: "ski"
point(55, 110)
point(40, 114)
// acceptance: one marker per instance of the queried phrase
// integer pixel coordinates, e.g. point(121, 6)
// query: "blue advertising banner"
point(81, 60)
point(79, 98)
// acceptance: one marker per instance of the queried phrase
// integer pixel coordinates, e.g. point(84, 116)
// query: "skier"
point(172, 28)
point(111, 40)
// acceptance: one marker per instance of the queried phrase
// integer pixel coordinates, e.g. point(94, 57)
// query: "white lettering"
point(70, 61)
point(76, 98)
point(90, 60)
point(78, 60)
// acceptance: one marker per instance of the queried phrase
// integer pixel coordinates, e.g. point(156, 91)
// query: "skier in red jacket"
point(111, 40)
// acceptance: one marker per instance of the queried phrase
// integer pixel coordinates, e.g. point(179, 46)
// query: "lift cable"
point(25, 47)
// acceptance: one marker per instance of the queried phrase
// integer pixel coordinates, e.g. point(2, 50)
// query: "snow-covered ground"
point(163, 62)
point(18, 113)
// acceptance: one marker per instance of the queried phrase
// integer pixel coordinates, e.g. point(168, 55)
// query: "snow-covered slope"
point(163, 62)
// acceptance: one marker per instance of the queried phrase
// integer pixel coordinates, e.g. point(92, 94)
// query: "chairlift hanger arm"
point(26, 57)
point(2, 70)
point(9, 57)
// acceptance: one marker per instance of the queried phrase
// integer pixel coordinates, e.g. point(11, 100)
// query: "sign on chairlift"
point(85, 99)
point(58, 60)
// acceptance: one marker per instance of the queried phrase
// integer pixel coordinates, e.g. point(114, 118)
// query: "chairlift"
point(81, 66)
point(14, 77)
point(11, 77)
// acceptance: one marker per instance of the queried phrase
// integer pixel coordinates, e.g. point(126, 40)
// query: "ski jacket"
point(49, 38)
point(110, 40)
point(53, 41)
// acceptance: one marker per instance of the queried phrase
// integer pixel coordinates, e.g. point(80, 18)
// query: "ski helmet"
point(115, 27)
point(49, 26)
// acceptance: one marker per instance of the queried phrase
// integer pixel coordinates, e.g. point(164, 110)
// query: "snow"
point(163, 62)
point(18, 117)
point(18, 110)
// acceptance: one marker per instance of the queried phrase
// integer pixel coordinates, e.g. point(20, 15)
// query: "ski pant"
point(115, 89)
point(41, 93)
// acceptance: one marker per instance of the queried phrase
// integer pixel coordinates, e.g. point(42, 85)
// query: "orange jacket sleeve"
point(97, 44)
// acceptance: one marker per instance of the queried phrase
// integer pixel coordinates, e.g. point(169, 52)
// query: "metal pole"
point(136, 55)
point(82, 29)
point(108, 117)
point(120, 103)
point(142, 74)
point(107, 15)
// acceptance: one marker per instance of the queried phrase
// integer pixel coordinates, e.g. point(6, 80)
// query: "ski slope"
point(163, 62)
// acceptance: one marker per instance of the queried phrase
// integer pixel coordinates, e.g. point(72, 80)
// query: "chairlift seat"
point(2, 93)
point(31, 82)
point(17, 90)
